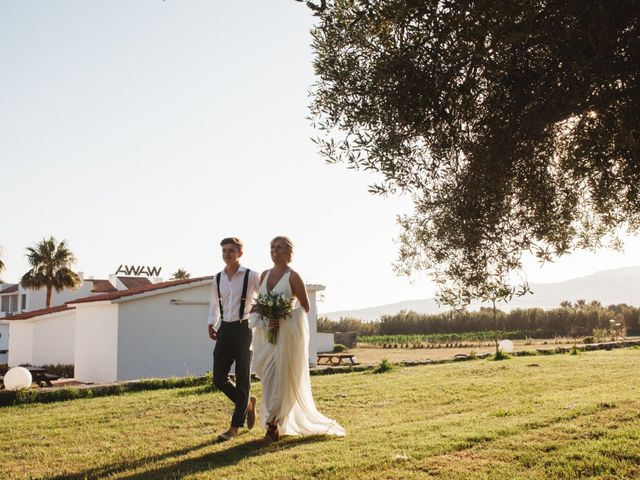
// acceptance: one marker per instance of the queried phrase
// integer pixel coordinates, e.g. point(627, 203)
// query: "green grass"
point(558, 416)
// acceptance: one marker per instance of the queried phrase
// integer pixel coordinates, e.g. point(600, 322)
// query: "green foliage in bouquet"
point(273, 306)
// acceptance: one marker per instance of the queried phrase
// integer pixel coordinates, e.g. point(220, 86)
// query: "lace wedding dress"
point(283, 369)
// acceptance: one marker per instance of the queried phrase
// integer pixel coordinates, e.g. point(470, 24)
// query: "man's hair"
point(232, 241)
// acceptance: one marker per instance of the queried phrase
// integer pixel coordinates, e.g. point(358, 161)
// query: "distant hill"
point(620, 285)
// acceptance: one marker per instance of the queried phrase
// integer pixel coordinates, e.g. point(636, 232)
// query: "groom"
point(233, 292)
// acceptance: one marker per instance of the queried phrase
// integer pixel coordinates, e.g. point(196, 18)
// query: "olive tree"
point(513, 126)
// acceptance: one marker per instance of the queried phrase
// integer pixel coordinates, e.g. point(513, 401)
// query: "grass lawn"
point(558, 416)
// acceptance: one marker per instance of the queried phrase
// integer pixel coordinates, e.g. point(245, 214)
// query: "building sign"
point(140, 270)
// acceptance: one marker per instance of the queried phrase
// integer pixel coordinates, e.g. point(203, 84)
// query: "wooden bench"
point(336, 358)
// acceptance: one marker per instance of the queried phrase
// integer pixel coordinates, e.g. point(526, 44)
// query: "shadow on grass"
point(208, 461)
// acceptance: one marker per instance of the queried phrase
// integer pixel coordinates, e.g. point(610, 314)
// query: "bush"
point(500, 355)
point(385, 366)
point(601, 335)
point(338, 347)
point(588, 340)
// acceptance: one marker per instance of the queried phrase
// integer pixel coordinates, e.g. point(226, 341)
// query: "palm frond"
point(50, 263)
point(65, 278)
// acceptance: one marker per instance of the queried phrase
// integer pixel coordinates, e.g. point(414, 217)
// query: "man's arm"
point(214, 311)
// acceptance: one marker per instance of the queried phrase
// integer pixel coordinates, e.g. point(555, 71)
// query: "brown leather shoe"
point(228, 435)
point(251, 413)
point(271, 436)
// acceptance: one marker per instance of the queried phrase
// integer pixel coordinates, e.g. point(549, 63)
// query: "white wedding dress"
point(283, 369)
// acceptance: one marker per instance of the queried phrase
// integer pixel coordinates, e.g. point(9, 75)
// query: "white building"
point(15, 299)
point(153, 331)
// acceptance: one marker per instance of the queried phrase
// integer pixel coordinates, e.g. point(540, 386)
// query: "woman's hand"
point(274, 324)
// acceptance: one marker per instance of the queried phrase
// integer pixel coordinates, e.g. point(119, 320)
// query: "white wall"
point(54, 339)
point(20, 343)
point(325, 342)
point(158, 339)
point(37, 299)
point(96, 342)
point(312, 291)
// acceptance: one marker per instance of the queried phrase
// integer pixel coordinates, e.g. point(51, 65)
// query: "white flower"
point(270, 303)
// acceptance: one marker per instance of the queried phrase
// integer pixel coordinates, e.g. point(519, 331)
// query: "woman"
point(287, 405)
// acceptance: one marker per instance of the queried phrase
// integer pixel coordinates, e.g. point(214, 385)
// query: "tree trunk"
point(49, 289)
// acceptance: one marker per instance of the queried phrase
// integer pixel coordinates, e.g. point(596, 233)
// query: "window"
point(4, 304)
point(9, 304)
point(13, 303)
point(24, 301)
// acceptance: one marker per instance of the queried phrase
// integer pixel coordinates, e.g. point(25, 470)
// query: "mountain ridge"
point(612, 286)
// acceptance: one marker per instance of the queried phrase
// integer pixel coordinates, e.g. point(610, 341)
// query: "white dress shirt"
point(230, 293)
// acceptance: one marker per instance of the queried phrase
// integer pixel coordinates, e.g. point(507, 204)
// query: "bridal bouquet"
point(275, 306)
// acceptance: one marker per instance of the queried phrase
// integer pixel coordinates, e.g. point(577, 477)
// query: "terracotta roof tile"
point(136, 291)
point(102, 286)
point(135, 282)
point(11, 289)
point(36, 313)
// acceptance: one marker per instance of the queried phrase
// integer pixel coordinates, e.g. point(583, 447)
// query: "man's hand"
point(274, 324)
point(213, 335)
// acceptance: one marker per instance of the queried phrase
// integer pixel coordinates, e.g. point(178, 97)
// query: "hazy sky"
point(145, 131)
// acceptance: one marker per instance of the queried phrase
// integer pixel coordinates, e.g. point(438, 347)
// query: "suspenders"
point(243, 298)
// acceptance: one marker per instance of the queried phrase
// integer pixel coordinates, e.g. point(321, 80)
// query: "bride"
point(287, 405)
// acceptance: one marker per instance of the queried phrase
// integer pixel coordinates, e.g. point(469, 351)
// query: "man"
point(233, 292)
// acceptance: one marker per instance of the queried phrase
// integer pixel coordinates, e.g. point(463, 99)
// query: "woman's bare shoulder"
point(295, 276)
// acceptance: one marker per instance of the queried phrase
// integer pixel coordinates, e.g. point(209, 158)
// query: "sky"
point(145, 132)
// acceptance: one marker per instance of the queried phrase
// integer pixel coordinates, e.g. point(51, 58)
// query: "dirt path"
point(367, 354)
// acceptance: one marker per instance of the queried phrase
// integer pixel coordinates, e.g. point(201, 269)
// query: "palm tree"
point(180, 274)
point(50, 267)
point(566, 304)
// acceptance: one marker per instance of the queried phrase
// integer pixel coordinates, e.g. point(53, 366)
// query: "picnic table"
point(39, 375)
point(336, 358)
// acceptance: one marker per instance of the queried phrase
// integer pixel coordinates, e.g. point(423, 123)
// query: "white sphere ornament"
point(17, 378)
point(506, 346)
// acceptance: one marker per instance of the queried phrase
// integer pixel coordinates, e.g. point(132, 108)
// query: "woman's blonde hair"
point(287, 242)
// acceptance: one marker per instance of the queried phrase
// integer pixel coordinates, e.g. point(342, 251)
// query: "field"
point(558, 416)
point(437, 339)
point(374, 353)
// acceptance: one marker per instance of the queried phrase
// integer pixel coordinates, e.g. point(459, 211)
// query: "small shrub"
point(338, 347)
point(500, 355)
point(574, 350)
point(601, 335)
point(385, 366)
point(528, 353)
point(588, 340)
